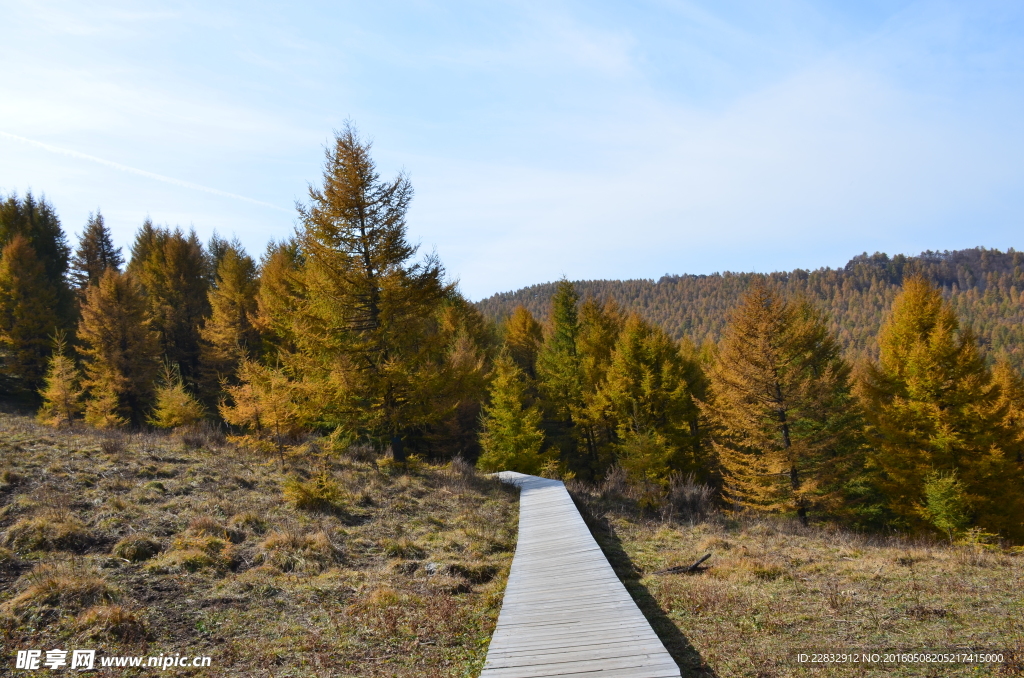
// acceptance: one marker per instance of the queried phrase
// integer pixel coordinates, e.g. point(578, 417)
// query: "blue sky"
point(585, 139)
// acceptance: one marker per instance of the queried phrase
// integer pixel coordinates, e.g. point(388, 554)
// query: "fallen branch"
point(686, 569)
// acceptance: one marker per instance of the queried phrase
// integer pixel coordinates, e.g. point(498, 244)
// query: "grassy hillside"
point(986, 287)
point(337, 566)
point(773, 588)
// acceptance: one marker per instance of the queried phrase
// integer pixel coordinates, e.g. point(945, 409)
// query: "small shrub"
point(319, 494)
point(946, 504)
point(296, 552)
point(113, 444)
point(690, 500)
point(64, 586)
point(42, 533)
point(137, 548)
point(175, 406)
point(115, 621)
point(202, 434)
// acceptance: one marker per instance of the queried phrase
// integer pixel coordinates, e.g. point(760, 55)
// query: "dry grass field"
point(340, 565)
point(773, 588)
point(158, 544)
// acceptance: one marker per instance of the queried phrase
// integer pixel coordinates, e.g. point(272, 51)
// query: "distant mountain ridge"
point(985, 286)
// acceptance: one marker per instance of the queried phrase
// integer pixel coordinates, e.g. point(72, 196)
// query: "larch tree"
point(1011, 399)
point(523, 337)
point(37, 222)
point(933, 407)
point(268, 405)
point(173, 269)
point(174, 406)
point(366, 329)
point(28, 318)
point(94, 255)
point(510, 437)
point(62, 394)
point(120, 350)
point(280, 291)
point(229, 335)
point(781, 408)
point(600, 326)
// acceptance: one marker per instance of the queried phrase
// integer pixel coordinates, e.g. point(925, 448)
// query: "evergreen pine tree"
point(932, 406)
point(28, 317)
point(175, 276)
point(510, 435)
point(62, 396)
point(780, 403)
point(560, 374)
point(37, 222)
point(95, 254)
point(645, 394)
point(120, 352)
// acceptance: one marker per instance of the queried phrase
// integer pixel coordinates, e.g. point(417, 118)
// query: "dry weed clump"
point(46, 533)
point(194, 553)
point(115, 621)
point(137, 548)
point(298, 552)
point(247, 521)
point(60, 586)
point(404, 548)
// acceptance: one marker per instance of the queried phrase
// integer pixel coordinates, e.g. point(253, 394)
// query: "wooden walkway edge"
point(564, 612)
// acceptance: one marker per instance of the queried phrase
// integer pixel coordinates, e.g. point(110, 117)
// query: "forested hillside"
point(985, 287)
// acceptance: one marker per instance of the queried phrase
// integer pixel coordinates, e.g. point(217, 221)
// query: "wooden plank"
point(565, 613)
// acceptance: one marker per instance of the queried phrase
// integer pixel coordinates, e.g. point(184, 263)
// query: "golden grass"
point(774, 587)
point(215, 552)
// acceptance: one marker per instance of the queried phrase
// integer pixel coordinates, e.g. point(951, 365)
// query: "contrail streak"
point(142, 173)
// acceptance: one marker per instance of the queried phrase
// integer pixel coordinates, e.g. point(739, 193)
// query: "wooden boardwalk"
point(565, 613)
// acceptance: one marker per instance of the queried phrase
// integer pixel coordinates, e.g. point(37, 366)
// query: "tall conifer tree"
point(510, 435)
point(28, 318)
point(174, 272)
point(37, 222)
point(780, 403)
point(523, 337)
point(229, 335)
point(120, 351)
point(95, 254)
point(933, 406)
point(365, 330)
point(560, 373)
point(646, 396)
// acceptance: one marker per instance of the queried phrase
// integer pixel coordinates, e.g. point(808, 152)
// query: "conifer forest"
point(884, 395)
